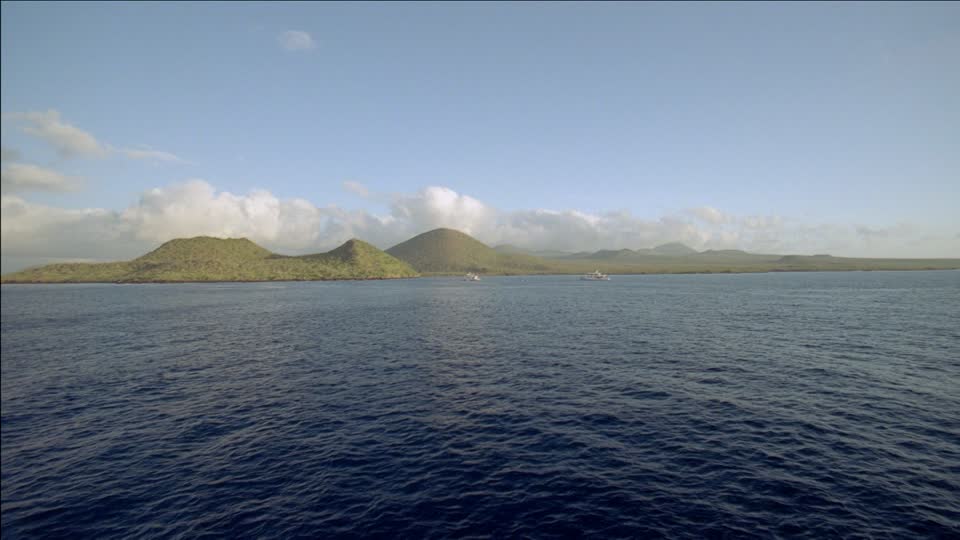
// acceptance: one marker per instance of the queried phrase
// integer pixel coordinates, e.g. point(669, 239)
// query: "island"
point(437, 252)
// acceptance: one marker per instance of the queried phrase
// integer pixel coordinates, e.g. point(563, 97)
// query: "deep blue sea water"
point(812, 405)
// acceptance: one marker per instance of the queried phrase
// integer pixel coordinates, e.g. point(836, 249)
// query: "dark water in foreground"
point(795, 405)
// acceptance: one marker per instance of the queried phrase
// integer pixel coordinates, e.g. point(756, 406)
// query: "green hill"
point(360, 259)
point(203, 248)
point(614, 254)
point(450, 251)
point(673, 248)
point(215, 259)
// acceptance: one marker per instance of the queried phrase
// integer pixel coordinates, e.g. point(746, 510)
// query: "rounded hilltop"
point(206, 248)
point(354, 250)
point(362, 259)
point(674, 248)
point(447, 250)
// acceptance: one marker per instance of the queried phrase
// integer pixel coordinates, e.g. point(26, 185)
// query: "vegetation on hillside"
point(674, 248)
point(441, 251)
point(215, 259)
point(450, 251)
point(446, 251)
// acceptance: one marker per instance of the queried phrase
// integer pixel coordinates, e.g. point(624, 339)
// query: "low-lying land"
point(437, 252)
point(450, 252)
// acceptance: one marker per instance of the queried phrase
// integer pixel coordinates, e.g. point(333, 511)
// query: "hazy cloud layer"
point(296, 40)
point(8, 154)
point(356, 188)
point(20, 177)
point(297, 226)
point(708, 214)
point(155, 155)
point(70, 141)
point(31, 231)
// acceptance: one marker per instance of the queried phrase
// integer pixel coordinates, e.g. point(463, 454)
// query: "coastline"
point(491, 274)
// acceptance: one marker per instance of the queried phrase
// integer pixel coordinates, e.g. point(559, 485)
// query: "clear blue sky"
point(826, 113)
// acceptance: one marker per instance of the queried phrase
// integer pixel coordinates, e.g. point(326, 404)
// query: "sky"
point(769, 127)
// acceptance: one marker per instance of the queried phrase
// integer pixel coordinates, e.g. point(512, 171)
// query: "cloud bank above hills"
point(33, 233)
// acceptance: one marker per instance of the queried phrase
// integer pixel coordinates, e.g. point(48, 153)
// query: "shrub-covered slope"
point(215, 259)
point(447, 250)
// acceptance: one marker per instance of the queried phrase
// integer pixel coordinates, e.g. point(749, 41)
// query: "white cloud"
point(297, 226)
point(195, 208)
point(296, 40)
point(33, 233)
point(18, 177)
point(709, 214)
point(356, 188)
point(70, 141)
point(437, 206)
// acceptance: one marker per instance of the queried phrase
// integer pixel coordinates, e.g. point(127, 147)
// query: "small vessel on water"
point(595, 276)
point(471, 277)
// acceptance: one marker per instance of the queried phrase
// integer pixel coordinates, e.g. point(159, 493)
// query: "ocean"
point(793, 405)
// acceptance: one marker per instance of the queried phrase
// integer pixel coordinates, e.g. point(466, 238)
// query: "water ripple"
point(780, 405)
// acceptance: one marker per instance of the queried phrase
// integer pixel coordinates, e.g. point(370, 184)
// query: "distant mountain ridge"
point(511, 249)
point(447, 251)
point(674, 248)
point(440, 251)
point(670, 248)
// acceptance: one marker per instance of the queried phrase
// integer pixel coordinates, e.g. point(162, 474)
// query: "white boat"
point(471, 277)
point(595, 276)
